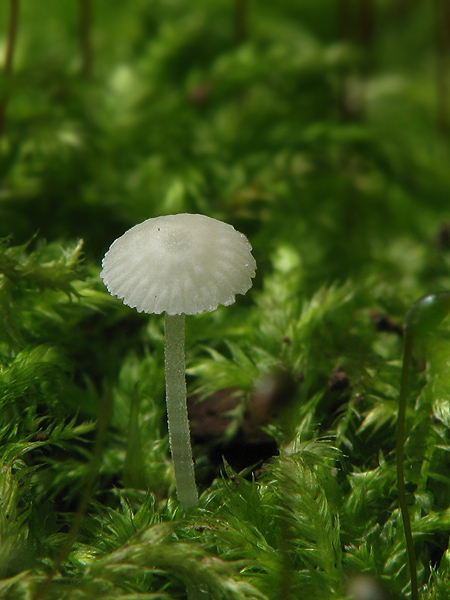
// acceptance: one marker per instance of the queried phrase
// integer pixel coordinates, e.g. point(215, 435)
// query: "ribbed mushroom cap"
point(179, 264)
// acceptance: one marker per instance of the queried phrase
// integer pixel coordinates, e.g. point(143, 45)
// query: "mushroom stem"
point(177, 415)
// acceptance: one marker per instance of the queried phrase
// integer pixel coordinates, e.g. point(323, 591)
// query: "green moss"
point(322, 144)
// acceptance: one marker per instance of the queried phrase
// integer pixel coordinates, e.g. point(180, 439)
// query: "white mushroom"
point(182, 265)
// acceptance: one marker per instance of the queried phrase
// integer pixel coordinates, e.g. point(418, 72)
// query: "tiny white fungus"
point(181, 265)
point(184, 263)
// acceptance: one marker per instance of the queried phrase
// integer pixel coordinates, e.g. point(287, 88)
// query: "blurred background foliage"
point(320, 130)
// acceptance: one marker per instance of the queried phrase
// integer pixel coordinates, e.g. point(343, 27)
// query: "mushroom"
point(181, 264)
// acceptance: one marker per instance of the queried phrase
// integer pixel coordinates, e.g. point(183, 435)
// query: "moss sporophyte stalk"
point(424, 316)
point(181, 264)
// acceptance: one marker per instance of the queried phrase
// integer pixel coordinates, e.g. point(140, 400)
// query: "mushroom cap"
point(183, 263)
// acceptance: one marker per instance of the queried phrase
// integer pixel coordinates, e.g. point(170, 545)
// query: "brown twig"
point(85, 29)
point(241, 17)
point(355, 26)
point(442, 36)
point(344, 19)
point(366, 27)
point(9, 56)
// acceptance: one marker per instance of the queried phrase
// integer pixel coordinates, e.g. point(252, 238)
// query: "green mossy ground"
point(326, 153)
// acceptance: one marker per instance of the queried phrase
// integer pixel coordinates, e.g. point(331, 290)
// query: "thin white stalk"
point(177, 415)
